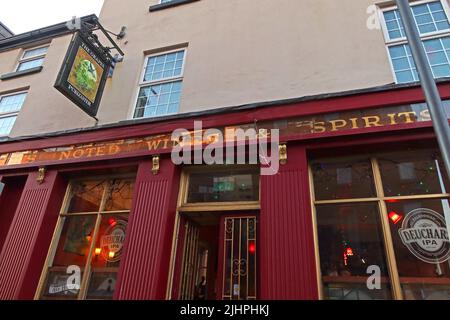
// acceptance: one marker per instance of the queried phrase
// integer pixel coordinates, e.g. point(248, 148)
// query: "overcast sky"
point(25, 15)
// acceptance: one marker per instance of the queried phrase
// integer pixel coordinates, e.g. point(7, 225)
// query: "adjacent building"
point(5, 32)
point(358, 188)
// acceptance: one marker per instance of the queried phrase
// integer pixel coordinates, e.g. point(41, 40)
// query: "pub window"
point(223, 185)
point(89, 236)
point(10, 106)
point(161, 85)
point(387, 211)
point(32, 58)
point(432, 20)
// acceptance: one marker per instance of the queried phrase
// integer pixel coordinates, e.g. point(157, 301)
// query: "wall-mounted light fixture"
point(41, 175)
point(155, 166)
point(282, 149)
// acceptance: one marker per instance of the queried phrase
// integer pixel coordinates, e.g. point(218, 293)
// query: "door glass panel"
point(232, 185)
point(351, 240)
point(343, 179)
point(239, 278)
point(418, 173)
point(422, 247)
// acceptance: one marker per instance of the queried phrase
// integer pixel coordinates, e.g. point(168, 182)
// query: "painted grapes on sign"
point(86, 74)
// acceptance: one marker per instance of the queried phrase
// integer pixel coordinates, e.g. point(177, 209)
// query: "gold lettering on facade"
point(373, 121)
point(153, 144)
point(65, 155)
point(113, 149)
point(319, 127)
point(315, 124)
point(354, 122)
point(410, 117)
point(338, 124)
point(101, 151)
point(78, 153)
point(392, 117)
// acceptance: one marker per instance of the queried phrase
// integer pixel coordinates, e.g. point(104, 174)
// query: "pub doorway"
point(218, 257)
point(214, 248)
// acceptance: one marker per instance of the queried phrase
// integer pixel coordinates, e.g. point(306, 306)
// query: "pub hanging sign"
point(83, 74)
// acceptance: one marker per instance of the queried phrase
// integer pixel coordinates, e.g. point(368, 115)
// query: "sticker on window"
point(425, 234)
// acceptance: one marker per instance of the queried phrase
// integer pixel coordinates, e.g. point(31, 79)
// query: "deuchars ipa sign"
point(425, 234)
point(112, 241)
point(83, 75)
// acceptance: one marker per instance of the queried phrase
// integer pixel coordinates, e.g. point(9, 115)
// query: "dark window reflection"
point(86, 196)
point(343, 179)
point(351, 240)
point(120, 195)
point(102, 285)
point(413, 173)
point(232, 185)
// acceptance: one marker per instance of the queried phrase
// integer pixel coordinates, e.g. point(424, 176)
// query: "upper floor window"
point(161, 83)
point(10, 106)
point(32, 58)
point(432, 19)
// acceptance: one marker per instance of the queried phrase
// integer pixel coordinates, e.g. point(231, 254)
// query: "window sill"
point(170, 4)
point(17, 74)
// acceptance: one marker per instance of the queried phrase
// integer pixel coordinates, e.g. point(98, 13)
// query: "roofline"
point(40, 34)
point(7, 29)
point(225, 110)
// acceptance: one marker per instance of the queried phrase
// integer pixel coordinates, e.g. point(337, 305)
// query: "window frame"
point(63, 214)
point(22, 58)
point(381, 200)
point(402, 41)
point(185, 206)
point(15, 113)
point(149, 83)
point(425, 36)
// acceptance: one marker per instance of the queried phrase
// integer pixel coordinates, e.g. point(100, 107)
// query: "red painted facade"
point(145, 265)
point(287, 268)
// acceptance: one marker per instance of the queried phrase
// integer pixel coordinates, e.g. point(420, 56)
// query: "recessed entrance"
point(215, 248)
point(217, 257)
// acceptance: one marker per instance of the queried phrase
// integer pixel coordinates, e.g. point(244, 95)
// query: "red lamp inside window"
point(349, 252)
point(395, 217)
point(112, 222)
point(252, 247)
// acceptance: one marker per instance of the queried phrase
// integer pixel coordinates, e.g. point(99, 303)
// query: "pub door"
point(239, 258)
point(219, 258)
point(191, 261)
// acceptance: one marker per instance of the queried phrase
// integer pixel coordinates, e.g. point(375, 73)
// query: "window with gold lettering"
point(85, 256)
